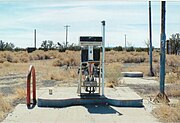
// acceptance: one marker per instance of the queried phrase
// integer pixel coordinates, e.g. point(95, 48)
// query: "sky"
point(19, 18)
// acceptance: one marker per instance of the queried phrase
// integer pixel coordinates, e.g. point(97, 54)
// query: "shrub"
point(167, 114)
point(119, 48)
point(130, 49)
point(2, 60)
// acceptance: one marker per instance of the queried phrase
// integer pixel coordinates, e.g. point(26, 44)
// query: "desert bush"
point(58, 62)
point(134, 59)
point(167, 113)
point(173, 60)
point(130, 49)
point(2, 60)
point(113, 73)
point(69, 58)
point(119, 48)
point(172, 77)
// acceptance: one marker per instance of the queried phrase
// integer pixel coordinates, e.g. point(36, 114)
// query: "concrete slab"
point(142, 81)
point(132, 74)
point(80, 114)
point(67, 96)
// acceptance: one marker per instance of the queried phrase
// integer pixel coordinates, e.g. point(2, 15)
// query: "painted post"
point(163, 42)
point(103, 53)
point(162, 97)
point(150, 42)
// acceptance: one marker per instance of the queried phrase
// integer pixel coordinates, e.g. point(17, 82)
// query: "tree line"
point(173, 46)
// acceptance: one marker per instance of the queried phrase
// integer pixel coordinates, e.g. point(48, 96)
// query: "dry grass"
point(125, 57)
point(57, 69)
point(69, 58)
point(167, 113)
point(172, 78)
point(5, 106)
point(20, 93)
point(174, 93)
point(62, 75)
point(113, 73)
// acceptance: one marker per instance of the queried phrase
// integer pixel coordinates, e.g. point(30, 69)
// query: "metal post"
point(103, 53)
point(162, 97)
point(163, 41)
point(66, 34)
point(150, 42)
point(35, 38)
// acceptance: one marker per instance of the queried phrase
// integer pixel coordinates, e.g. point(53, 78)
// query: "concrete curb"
point(97, 101)
point(132, 74)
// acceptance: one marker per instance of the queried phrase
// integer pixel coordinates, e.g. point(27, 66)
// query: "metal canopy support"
point(103, 53)
point(162, 97)
point(163, 41)
point(151, 73)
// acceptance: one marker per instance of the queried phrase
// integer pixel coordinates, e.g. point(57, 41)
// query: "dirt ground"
point(13, 76)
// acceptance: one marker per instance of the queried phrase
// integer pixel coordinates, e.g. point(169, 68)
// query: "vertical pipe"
point(34, 85)
point(150, 41)
point(163, 41)
point(35, 38)
point(103, 53)
point(28, 90)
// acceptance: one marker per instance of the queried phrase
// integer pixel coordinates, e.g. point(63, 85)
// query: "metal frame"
point(93, 41)
point(81, 82)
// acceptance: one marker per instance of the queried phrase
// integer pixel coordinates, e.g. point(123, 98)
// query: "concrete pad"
point(142, 81)
point(80, 114)
point(132, 74)
point(67, 96)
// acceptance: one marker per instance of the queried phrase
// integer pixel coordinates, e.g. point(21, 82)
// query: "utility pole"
point(162, 97)
point(150, 42)
point(35, 38)
point(125, 41)
point(67, 26)
point(103, 53)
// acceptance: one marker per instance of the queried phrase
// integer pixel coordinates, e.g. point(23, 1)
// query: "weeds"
point(20, 93)
point(113, 73)
point(5, 106)
point(167, 113)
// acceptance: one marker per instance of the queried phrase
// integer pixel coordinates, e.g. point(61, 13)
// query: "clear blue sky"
point(18, 19)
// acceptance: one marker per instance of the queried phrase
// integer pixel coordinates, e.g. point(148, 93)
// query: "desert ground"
point(60, 69)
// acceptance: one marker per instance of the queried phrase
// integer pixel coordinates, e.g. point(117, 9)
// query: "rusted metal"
point(28, 99)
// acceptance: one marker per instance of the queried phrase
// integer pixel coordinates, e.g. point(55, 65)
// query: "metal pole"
point(66, 34)
point(163, 41)
point(125, 42)
point(35, 38)
point(103, 53)
point(150, 42)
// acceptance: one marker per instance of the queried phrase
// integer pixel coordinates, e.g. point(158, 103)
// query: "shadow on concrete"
point(101, 109)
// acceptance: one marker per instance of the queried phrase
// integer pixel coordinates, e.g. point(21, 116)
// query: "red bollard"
point(31, 71)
